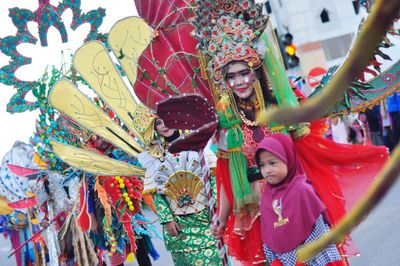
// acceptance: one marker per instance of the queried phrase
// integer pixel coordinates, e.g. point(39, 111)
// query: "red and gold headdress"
point(228, 31)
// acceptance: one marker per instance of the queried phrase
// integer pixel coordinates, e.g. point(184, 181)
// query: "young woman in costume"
point(248, 77)
point(180, 200)
point(357, 164)
point(292, 215)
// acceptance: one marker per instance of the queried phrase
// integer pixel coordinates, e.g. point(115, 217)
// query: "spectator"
point(374, 123)
point(339, 129)
point(393, 108)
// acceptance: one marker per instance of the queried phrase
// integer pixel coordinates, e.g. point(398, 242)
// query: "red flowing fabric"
point(339, 173)
point(246, 248)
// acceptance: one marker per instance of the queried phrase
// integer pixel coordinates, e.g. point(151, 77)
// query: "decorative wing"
point(129, 37)
point(93, 162)
point(70, 101)
point(170, 65)
point(361, 94)
point(94, 63)
point(365, 95)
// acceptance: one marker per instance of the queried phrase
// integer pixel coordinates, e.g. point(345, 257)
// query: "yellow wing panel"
point(93, 162)
point(66, 98)
point(94, 63)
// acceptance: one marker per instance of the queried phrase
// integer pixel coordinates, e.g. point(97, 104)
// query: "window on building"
point(337, 47)
point(268, 7)
point(356, 6)
point(324, 16)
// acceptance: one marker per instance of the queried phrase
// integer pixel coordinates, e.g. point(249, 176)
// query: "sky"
point(20, 126)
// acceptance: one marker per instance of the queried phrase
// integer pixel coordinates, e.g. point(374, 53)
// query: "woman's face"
point(240, 79)
point(162, 129)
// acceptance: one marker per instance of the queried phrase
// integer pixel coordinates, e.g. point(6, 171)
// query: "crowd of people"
point(377, 126)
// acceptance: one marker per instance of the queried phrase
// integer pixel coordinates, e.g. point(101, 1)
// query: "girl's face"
point(162, 129)
point(273, 169)
point(240, 79)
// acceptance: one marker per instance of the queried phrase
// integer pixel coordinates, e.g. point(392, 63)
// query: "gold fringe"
point(204, 75)
point(203, 65)
point(259, 95)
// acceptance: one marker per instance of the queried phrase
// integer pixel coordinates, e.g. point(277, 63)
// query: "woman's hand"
point(218, 229)
point(173, 228)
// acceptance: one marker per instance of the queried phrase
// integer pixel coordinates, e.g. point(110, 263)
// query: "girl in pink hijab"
point(291, 213)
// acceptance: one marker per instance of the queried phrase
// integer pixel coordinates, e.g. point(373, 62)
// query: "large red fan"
point(164, 13)
point(169, 66)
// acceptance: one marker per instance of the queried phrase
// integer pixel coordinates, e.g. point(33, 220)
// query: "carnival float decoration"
point(166, 58)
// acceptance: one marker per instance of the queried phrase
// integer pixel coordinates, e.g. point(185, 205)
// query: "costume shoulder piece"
point(134, 127)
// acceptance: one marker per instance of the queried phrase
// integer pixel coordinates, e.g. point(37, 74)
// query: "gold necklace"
point(246, 121)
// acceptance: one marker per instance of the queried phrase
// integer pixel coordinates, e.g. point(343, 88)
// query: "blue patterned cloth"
point(330, 254)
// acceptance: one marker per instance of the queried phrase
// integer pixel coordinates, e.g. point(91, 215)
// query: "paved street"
point(378, 238)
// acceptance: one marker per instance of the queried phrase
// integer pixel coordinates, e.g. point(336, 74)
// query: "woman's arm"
point(218, 229)
point(165, 215)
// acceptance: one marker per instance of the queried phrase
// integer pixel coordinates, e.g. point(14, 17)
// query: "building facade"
point(322, 30)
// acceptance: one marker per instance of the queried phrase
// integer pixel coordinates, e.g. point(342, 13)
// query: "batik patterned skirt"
point(194, 246)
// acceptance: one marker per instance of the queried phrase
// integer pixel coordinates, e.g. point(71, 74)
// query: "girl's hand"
point(218, 229)
point(173, 228)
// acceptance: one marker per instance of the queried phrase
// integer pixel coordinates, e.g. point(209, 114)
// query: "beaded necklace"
point(251, 106)
point(246, 121)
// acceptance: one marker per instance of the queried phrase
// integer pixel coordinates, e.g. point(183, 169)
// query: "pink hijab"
point(288, 210)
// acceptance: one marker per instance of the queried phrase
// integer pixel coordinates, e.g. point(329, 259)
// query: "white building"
point(322, 29)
